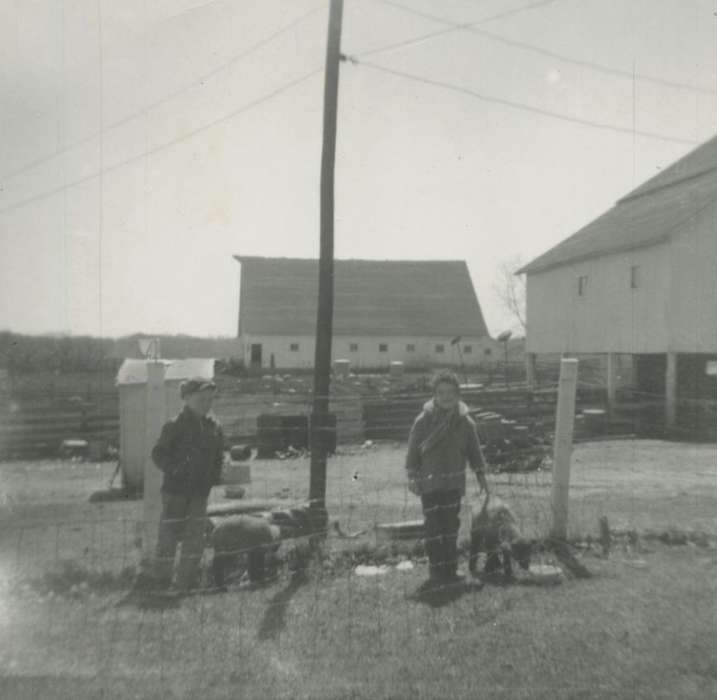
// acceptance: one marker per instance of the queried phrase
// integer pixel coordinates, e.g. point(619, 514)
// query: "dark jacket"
point(190, 452)
point(443, 467)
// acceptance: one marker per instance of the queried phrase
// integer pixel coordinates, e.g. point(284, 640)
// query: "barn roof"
point(647, 215)
point(371, 297)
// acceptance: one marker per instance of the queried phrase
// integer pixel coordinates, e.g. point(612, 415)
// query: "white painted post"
point(671, 391)
point(156, 416)
point(565, 419)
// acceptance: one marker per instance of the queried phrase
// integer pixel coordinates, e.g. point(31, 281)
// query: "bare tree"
point(510, 290)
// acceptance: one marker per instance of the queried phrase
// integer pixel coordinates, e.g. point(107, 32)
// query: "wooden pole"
point(155, 418)
point(563, 447)
point(324, 320)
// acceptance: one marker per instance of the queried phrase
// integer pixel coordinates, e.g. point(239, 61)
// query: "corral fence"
point(36, 426)
point(39, 412)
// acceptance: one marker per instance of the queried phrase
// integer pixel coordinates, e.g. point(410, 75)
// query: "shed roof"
point(371, 297)
point(135, 371)
point(646, 216)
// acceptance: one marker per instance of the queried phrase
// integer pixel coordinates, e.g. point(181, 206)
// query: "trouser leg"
point(431, 503)
point(174, 512)
point(450, 524)
point(192, 544)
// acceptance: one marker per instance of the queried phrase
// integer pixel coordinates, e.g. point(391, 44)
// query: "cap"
point(195, 385)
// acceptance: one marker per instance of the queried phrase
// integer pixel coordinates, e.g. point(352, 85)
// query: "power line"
point(169, 96)
point(517, 10)
point(472, 27)
point(166, 20)
point(453, 27)
point(164, 146)
point(522, 106)
point(192, 9)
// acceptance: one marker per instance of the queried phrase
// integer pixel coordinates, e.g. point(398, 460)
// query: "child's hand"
point(413, 487)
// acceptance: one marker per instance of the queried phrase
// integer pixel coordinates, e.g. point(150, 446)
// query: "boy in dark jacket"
point(190, 453)
point(443, 438)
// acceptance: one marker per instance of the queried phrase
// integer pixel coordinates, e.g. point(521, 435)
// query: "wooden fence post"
point(565, 419)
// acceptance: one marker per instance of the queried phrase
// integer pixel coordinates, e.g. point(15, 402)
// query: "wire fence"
point(69, 566)
point(345, 608)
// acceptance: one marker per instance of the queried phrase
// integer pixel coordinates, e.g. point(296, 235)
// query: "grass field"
point(643, 627)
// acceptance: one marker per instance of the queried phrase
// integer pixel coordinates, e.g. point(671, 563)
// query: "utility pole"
point(324, 320)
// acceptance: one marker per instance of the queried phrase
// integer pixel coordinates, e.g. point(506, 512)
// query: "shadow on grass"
point(274, 620)
point(149, 600)
point(438, 596)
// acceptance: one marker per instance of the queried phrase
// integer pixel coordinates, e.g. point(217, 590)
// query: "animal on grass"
point(494, 530)
point(245, 538)
point(254, 540)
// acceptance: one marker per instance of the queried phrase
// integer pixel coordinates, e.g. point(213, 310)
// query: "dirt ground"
point(637, 484)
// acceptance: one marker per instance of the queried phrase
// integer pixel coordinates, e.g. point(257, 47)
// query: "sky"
point(143, 143)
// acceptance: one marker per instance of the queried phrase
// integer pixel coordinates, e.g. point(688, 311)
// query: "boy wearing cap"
point(190, 453)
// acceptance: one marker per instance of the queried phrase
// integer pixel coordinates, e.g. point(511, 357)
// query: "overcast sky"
point(208, 141)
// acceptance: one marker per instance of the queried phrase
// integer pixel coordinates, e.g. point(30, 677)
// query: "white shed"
point(131, 382)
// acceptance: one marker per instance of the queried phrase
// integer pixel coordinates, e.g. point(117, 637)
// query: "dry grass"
point(640, 628)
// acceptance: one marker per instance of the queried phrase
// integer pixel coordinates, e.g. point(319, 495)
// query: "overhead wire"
point(473, 28)
point(200, 80)
point(168, 144)
point(456, 27)
point(522, 106)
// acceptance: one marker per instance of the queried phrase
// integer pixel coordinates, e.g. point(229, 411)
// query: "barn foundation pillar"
point(530, 360)
point(611, 380)
point(671, 391)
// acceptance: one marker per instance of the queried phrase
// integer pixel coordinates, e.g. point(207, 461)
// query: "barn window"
point(440, 348)
point(467, 349)
point(488, 352)
point(634, 276)
point(294, 347)
point(353, 347)
point(410, 347)
point(383, 347)
point(582, 285)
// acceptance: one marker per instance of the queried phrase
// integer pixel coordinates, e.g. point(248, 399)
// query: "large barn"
point(637, 285)
point(384, 311)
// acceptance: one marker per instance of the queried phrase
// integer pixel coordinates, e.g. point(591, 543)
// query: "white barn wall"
point(611, 317)
point(368, 355)
point(673, 308)
point(693, 271)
